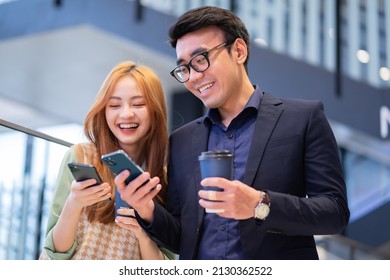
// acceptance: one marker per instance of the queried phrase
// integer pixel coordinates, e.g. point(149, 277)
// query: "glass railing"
point(29, 164)
point(338, 247)
point(367, 170)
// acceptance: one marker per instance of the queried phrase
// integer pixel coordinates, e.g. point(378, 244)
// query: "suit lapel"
point(267, 118)
point(200, 138)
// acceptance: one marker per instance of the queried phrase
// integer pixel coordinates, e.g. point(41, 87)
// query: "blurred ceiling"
point(52, 75)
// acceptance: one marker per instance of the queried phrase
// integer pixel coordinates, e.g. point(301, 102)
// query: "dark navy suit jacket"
point(293, 155)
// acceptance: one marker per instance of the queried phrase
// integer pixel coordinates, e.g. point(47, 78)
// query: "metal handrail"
point(34, 133)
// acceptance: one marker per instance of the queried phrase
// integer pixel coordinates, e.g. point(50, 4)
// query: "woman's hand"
point(83, 193)
point(148, 248)
point(130, 223)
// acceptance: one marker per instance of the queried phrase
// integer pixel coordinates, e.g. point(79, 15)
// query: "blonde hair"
point(155, 143)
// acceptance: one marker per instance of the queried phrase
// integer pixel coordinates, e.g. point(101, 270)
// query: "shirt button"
point(222, 228)
point(230, 136)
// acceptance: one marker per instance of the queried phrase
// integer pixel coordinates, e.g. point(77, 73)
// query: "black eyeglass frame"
point(189, 65)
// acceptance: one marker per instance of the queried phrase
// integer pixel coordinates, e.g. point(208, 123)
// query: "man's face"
point(216, 86)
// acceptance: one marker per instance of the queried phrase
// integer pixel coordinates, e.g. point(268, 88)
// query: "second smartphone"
point(117, 162)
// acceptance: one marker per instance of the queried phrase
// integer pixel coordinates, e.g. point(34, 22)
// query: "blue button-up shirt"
point(220, 237)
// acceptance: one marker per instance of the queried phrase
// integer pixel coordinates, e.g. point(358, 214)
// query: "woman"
point(129, 113)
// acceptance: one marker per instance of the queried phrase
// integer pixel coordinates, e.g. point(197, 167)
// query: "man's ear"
point(240, 50)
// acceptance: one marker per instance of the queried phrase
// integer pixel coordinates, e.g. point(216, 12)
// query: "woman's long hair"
point(155, 143)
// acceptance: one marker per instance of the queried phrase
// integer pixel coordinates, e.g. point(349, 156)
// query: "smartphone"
point(117, 162)
point(82, 172)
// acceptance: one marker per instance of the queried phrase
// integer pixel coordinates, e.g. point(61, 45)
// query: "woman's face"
point(127, 116)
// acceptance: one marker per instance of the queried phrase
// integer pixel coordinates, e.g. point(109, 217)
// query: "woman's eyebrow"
point(120, 98)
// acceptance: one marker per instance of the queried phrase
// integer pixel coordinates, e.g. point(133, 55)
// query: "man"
point(288, 184)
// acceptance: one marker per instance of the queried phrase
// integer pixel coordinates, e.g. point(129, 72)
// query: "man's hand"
point(139, 193)
point(237, 199)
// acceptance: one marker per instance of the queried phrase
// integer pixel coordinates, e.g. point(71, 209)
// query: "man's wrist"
point(262, 209)
point(146, 213)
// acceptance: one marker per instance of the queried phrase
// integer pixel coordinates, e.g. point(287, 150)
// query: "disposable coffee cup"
point(216, 164)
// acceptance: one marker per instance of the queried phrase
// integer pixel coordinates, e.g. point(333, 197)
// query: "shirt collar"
point(212, 115)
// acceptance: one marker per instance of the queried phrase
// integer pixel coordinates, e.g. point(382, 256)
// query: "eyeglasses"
point(199, 62)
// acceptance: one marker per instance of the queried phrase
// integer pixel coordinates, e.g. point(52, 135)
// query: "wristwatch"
point(262, 209)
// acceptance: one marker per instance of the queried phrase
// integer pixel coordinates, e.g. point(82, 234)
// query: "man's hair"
point(195, 19)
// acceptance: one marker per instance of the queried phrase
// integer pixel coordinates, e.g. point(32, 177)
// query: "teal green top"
point(62, 190)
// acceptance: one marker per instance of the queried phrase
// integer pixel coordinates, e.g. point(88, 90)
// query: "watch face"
point(262, 211)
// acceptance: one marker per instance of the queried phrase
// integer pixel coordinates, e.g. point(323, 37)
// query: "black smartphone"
point(82, 172)
point(117, 162)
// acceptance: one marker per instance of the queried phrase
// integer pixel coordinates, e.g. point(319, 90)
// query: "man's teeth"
point(205, 87)
point(128, 126)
